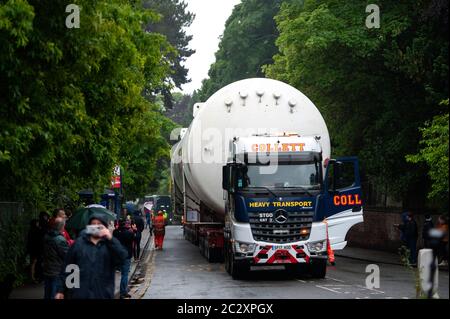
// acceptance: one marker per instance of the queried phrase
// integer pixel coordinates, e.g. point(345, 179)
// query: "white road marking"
point(329, 289)
point(335, 279)
point(375, 292)
point(302, 281)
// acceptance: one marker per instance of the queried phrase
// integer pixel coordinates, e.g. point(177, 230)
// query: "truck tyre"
point(227, 259)
point(318, 268)
point(238, 270)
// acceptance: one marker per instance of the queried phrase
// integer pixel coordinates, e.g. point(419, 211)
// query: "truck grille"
point(288, 232)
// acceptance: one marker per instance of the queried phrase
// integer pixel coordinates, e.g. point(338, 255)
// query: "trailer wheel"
point(318, 268)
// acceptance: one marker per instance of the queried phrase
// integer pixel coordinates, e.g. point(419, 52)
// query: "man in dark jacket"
point(96, 254)
point(126, 237)
point(55, 250)
point(411, 235)
point(139, 228)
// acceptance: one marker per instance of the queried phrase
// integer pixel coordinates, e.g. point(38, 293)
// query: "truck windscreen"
point(305, 175)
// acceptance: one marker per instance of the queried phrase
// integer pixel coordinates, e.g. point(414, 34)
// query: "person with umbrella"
point(97, 254)
point(82, 216)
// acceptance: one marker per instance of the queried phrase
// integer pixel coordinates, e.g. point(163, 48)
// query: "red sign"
point(115, 179)
point(115, 182)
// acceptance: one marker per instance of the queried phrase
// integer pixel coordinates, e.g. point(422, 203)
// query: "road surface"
point(180, 272)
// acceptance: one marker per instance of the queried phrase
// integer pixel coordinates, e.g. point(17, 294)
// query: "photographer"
point(97, 254)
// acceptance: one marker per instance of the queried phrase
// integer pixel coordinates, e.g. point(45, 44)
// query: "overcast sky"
point(208, 25)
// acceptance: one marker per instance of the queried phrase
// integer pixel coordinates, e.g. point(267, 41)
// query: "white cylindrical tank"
point(240, 109)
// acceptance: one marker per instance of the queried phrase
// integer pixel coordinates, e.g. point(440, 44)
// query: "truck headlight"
point(317, 246)
point(244, 247)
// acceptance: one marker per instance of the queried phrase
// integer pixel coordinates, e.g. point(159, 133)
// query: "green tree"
point(181, 112)
point(434, 152)
point(374, 87)
point(145, 153)
point(69, 96)
point(174, 19)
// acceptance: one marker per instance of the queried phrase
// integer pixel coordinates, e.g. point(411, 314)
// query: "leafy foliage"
point(434, 153)
point(374, 87)
point(174, 18)
point(145, 153)
point(181, 113)
point(68, 97)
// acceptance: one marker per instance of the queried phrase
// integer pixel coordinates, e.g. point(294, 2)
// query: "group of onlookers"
point(98, 252)
point(409, 235)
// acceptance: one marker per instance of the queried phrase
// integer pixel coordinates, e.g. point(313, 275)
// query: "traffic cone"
point(330, 251)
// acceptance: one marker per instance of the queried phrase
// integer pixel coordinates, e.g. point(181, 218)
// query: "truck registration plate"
point(275, 247)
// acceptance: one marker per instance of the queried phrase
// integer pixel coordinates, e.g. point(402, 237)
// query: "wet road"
point(180, 272)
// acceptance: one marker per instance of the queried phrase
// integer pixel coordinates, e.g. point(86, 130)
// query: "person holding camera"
point(94, 256)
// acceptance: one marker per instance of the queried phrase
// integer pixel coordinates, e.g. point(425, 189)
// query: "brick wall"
point(378, 233)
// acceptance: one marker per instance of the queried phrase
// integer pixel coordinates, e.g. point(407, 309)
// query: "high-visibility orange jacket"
point(159, 224)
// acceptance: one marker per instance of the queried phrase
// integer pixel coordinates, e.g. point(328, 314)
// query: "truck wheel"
point(227, 260)
point(238, 270)
point(318, 268)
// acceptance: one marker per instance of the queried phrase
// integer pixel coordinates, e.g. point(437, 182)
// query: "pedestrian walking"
point(54, 253)
point(410, 236)
point(159, 230)
point(148, 219)
point(401, 227)
point(427, 226)
point(126, 236)
point(152, 218)
point(139, 224)
point(97, 254)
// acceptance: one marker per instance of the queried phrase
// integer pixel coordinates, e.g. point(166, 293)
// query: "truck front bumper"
point(263, 253)
point(267, 254)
